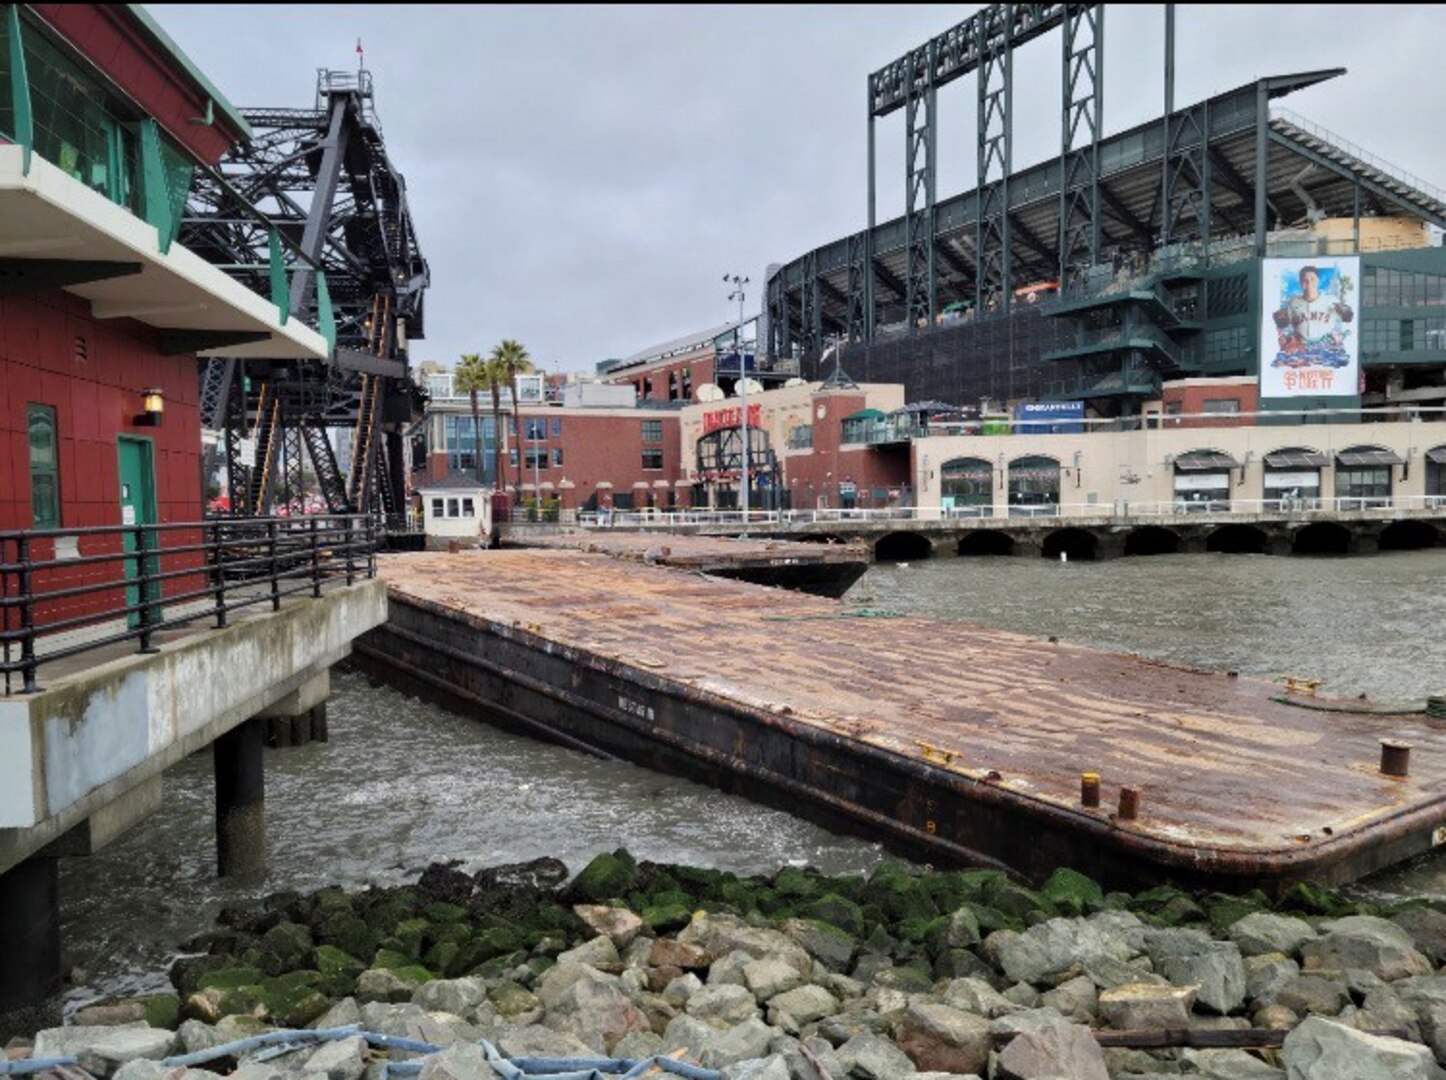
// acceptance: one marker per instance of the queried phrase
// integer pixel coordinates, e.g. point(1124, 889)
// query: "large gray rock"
point(1261, 932)
point(460, 1061)
point(1216, 969)
point(1143, 1007)
point(599, 952)
point(827, 944)
point(1075, 998)
point(344, 1012)
point(1060, 1050)
point(723, 1006)
point(102, 1050)
point(385, 985)
point(595, 1009)
point(1427, 928)
point(1058, 944)
point(455, 996)
point(794, 1010)
point(977, 996)
point(1266, 973)
point(721, 934)
point(679, 990)
point(1320, 993)
point(767, 978)
point(147, 1069)
point(1228, 1065)
point(870, 1057)
point(194, 1035)
point(344, 1059)
point(742, 1042)
point(691, 1034)
point(941, 1039)
point(639, 1044)
point(1366, 943)
point(1321, 1049)
point(534, 1040)
point(773, 1067)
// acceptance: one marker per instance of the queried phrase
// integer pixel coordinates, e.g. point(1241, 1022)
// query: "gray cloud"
point(582, 178)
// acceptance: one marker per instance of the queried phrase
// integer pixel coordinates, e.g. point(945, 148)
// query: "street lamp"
point(737, 294)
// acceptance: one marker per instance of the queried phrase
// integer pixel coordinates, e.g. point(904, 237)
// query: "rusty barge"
point(951, 743)
point(821, 569)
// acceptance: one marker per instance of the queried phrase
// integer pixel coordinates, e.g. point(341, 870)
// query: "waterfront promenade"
point(960, 742)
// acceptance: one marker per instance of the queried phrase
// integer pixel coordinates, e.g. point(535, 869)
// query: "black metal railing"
point(63, 590)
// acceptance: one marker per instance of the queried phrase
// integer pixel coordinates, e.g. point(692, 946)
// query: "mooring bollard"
point(1129, 804)
point(1395, 758)
point(1089, 789)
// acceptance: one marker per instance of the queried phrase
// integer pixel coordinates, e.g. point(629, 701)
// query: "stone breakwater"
point(930, 975)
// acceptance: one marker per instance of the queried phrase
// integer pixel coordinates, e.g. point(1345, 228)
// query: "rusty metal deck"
point(822, 569)
point(1229, 778)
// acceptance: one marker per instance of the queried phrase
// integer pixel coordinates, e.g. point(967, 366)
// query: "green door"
point(138, 507)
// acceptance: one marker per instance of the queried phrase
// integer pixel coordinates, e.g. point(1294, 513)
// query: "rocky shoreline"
point(906, 973)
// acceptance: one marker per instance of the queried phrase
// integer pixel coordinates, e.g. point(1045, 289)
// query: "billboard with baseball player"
point(1309, 344)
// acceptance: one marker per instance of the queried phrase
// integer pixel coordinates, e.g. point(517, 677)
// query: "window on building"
point(536, 429)
point(647, 388)
point(652, 459)
point(687, 383)
point(557, 455)
point(452, 508)
point(556, 427)
point(44, 466)
point(512, 456)
point(437, 508)
point(652, 431)
point(1221, 405)
point(468, 510)
point(536, 459)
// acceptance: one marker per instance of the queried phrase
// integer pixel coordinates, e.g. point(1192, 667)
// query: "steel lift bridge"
point(312, 214)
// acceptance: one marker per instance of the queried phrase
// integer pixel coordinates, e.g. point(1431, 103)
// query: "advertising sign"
point(1309, 340)
point(732, 417)
point(1050, 417)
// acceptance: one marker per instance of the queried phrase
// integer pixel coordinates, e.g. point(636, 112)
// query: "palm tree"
point(511, 357)
point(470, 379)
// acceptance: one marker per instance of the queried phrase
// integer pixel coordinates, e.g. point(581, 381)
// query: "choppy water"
point(403, 783)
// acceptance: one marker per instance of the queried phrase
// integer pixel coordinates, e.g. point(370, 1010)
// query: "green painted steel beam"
point(325, 315)
point(20, 88)
point(279, 292)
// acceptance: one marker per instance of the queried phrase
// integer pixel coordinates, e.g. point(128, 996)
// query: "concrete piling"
point(29, 933)
point(240, 800)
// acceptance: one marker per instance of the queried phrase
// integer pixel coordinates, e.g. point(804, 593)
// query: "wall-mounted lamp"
point(154, 406)
point(1244, 465)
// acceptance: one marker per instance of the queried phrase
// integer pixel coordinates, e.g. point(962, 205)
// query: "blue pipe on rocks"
point(21, 1066)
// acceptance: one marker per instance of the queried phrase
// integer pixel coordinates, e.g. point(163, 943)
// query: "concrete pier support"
point(292, 721)
point(29, 933)
point(240, 799)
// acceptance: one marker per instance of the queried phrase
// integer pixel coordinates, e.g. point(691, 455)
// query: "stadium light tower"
point(737, 294)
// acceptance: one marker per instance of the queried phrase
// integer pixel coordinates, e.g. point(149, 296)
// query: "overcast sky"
point(582, 178)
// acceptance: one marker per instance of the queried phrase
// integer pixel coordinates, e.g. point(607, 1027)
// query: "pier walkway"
point(954, 742)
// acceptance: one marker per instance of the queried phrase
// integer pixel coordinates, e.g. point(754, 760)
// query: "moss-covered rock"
point(670, 911)
point(898, 894)
point(837, 910)
point(607, 876)
point(287, 946)
point(1016, 901)
point(1224, 911)
point(444, 958)
point(295, 999)
point(339, 970)
point(347, 931)
point(1071, 893)
point(793, 883)
point(161, 1010)
point(408, 935)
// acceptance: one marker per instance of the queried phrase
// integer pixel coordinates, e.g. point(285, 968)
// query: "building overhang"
point(48, 215)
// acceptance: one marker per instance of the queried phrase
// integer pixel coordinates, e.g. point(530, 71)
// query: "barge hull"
point(635, 704)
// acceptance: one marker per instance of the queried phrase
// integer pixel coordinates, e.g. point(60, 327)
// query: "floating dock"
point(820, 569)
point(952, 743)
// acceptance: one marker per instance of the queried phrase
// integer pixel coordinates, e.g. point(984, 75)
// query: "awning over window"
point(1369, 457)
point(865, 414)
point(1296, 459)
point(1438, 455)
point(1209, 461)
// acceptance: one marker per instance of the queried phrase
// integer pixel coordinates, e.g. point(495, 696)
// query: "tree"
point(512, 360)
point(471, 378)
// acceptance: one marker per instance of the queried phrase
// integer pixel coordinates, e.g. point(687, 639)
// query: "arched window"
point(1364, 476)
point(1034, 486)
point(967, 487)
point(1436, 476)
point(1292, 478)
point(1202, 480)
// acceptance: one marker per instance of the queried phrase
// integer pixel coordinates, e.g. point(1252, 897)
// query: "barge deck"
point(950, 742)
point(821, 569)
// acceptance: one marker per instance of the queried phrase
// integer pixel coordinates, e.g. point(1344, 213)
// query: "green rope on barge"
point(1301, 703)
